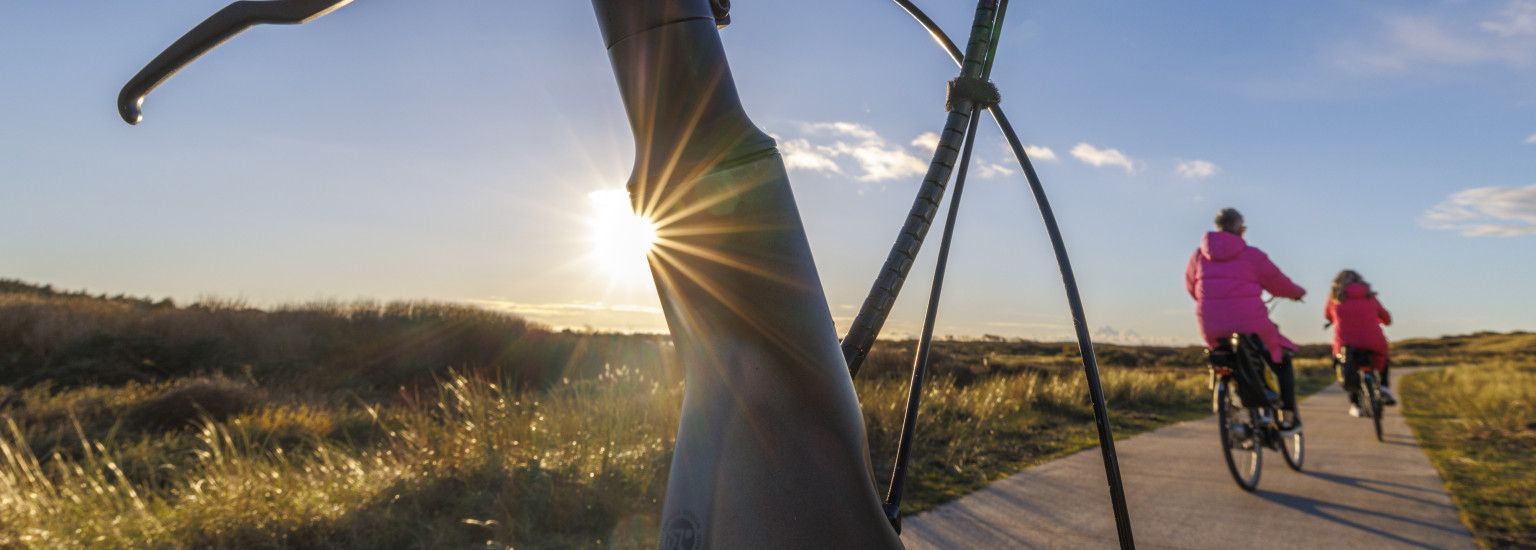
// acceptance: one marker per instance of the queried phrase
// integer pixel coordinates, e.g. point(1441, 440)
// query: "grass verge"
point(1477, 422)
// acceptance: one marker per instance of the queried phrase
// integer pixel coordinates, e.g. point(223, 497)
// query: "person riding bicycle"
point(1225, 276)
point(1357, 318)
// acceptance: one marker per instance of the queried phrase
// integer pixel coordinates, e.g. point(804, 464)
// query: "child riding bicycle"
point(1357, 318)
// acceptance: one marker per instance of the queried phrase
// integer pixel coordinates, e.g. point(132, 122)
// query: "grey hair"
point(1229, 220)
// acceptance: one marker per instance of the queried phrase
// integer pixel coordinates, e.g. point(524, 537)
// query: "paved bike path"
point(1355, 492)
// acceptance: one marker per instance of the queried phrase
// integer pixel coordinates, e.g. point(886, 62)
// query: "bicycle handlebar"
point(216, 29)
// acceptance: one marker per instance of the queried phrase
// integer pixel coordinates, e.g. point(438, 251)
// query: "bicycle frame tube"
point(1069, 284)
point(771, 451)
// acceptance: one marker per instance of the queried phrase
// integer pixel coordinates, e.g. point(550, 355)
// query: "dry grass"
point(1478, 424)
point(127, 422)
point(580, 464)
point(364, 348)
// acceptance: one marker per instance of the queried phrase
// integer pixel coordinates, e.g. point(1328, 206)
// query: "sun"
point(620, 239)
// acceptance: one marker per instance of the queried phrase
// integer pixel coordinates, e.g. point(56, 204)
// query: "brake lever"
point(206, 36)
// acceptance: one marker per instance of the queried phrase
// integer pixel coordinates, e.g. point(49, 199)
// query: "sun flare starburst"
point(620, 239)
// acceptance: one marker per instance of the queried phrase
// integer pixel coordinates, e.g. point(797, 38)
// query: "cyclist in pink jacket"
point(1225, 277)
point(1357, 318)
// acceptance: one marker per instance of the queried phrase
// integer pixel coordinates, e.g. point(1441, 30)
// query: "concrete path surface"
point(1354, 492)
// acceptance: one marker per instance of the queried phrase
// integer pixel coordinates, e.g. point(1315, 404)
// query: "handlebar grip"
point(221, 26)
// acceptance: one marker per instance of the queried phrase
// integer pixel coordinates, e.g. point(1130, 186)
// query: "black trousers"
point(1285, 371)
point(1351, 382)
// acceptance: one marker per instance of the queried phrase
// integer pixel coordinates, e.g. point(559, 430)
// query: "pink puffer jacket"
point(1357, 322)
point(1225, 277)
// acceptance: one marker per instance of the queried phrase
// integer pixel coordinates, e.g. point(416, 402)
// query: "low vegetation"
point(1477, 421)
point(370, 349)
point(132, 422)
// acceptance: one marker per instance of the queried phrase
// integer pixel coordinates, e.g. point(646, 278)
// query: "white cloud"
point(1411, 41)
point(858, 151)
point(988, 170)
point(1099, 158)
point(878, 160)
point(558, 309)
point(927, 141)
point(850, 129)
point(1110, 335)
point(799, 154)
point(1486, 212)
point(1517, 19)
point(1531, 140)
point(580, 315)
point(826, 146)
point(1039, 152)
point(1196, 169)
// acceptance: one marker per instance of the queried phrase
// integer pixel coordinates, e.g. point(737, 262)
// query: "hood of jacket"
point(1221, 246)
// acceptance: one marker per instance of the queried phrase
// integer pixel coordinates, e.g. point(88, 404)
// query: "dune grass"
point(1477, 422)
point(579, 464)
point(128, 422)
point(364, 348)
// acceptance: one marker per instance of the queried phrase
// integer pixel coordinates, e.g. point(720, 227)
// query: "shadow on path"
point(1330, 511)
point(1369, 485)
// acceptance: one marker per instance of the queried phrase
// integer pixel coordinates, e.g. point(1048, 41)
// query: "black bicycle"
point(1354, 368)
point(1246, 396)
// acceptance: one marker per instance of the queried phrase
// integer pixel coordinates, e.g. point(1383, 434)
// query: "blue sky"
point(458, 151)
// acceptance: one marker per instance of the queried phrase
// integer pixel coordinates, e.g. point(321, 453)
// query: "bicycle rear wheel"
point(1240, 443)
point(1373, 391)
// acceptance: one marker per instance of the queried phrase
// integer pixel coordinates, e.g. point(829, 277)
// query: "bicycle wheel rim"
point(1245, 465)
point(1294, 449)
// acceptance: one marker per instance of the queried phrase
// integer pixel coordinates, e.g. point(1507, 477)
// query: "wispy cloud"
point(799, 154)
point(1486, 212)
point(563, 309)
point(1531, 140)
point(1110, 335)
point(1099, 158)
point(988, 170)
point(623, 317)
point(850, 129)
point(851, 149)
point(1517, 19)
point(1039, 153)
point(1409, 41)
point(927, 141)
point(858, 151)
point(1196, 169)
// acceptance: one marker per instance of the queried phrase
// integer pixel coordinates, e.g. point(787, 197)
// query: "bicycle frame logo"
point(682, 533)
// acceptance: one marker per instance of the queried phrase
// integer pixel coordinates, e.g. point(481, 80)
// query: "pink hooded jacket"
point(1357, 322)
point(1225, 276)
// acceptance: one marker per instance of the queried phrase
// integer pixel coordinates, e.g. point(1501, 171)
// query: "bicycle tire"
point(1294, 450)
point(1228, 415)
point(1374, 392)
